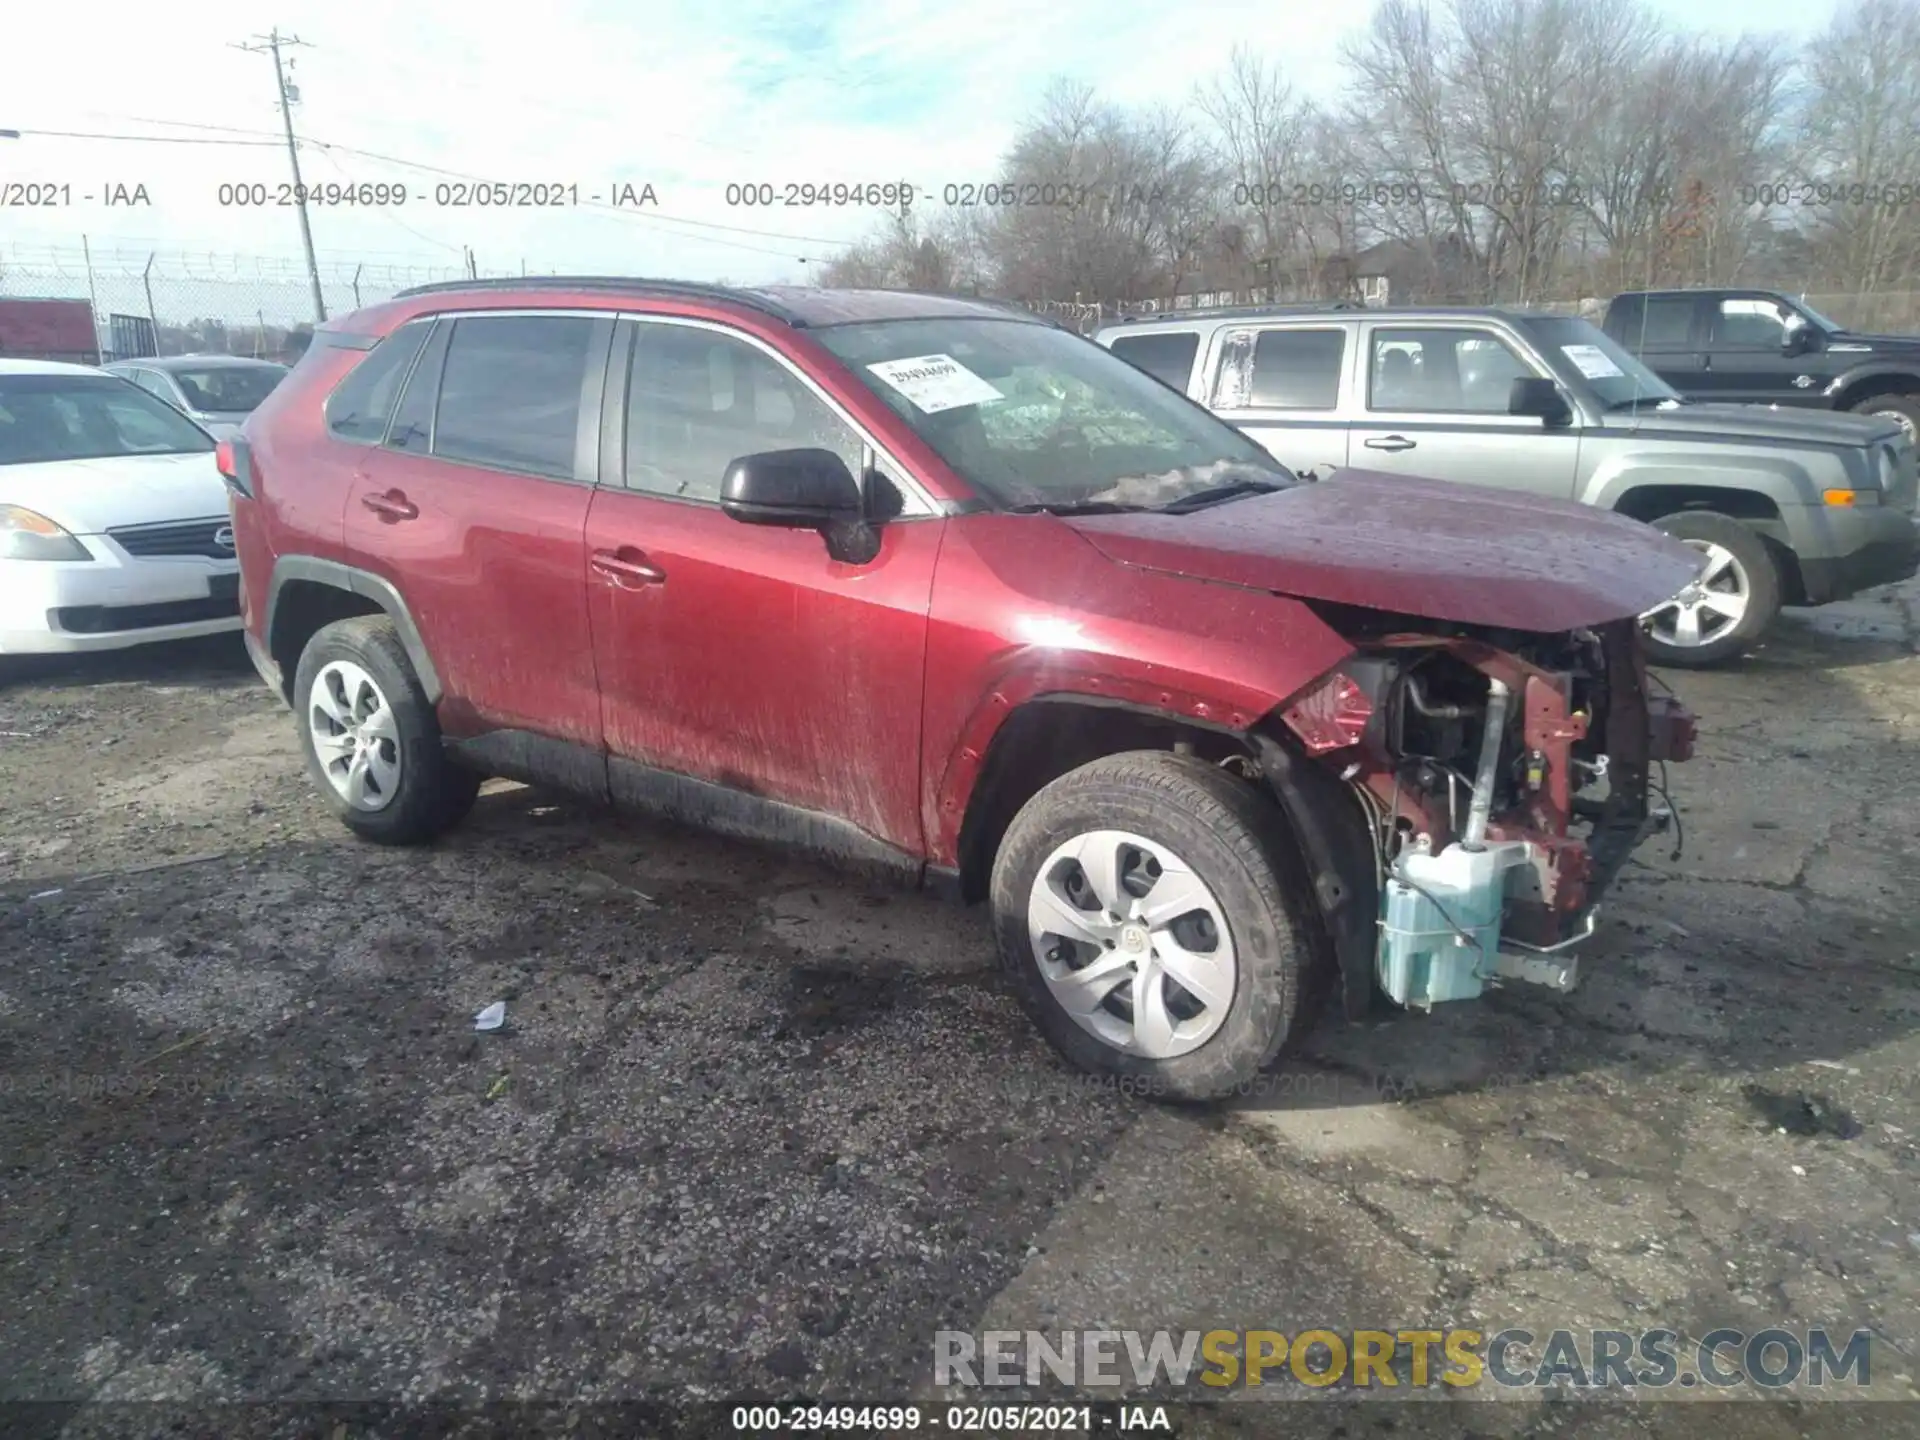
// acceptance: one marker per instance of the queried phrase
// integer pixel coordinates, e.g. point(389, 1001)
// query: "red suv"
point(935, 585)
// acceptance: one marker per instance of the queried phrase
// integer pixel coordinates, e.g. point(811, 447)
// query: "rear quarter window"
point(361, 404)
point(1167, 355)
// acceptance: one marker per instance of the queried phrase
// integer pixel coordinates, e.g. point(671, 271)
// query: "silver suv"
point(1792, 508)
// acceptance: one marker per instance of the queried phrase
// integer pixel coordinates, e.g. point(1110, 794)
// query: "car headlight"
point(28, 535)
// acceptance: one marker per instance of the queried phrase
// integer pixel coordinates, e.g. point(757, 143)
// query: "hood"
point(1418, 547)
point(1759, 422)
point(88, 496)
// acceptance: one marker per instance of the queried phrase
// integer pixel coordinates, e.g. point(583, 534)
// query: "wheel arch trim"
point(381, 591)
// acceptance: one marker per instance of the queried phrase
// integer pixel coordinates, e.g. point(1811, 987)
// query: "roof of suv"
point(1343, 310)
point(801, 306)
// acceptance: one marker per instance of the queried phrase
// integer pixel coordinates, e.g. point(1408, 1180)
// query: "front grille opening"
point(211, 538)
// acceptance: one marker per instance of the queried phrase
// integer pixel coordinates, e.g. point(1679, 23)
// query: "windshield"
point(88, 417)
point(229, 389)
point(1034, 416)
point(1588, 358)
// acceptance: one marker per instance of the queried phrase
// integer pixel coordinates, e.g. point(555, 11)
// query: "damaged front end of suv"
point(1471, 775)
point(1495, 783)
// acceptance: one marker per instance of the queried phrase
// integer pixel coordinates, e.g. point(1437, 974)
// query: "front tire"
point(1728, 608)
point(1152, 912)
point(372, 740)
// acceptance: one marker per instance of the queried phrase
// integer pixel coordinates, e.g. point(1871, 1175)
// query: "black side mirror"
point(1799, 340)
point(801, 489)
point(1533, 395)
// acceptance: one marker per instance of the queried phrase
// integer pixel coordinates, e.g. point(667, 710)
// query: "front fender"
point(1014, 621)
point(1841, 389)
point(1756, 471)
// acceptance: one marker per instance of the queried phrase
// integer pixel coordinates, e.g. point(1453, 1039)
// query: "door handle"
point(391, 506)
point(628, 567)
point(1389, 442)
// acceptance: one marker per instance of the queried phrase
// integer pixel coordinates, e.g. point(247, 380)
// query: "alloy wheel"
point(1132, 944)
point(1904, 420)
point(354, 734)
point(1710, 607)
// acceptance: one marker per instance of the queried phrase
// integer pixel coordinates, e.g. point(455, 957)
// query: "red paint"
point(493, 569)
point(1024, 606)
point(665, 632)
point(1420, 547)
point(760, 662)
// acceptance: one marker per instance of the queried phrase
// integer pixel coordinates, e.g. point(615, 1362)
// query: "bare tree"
point(1485, 150)
point(1261, 138)
point(911, 251)
point(1862, 144)
point(1475, 118)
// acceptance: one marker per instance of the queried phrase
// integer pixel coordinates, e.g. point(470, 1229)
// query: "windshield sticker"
point(1593, 361)
point(936, 382)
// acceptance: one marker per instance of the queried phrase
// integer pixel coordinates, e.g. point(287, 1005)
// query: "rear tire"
point(1718, 618)
point(371, 737)
point(1153, 914)
point(1904, 408)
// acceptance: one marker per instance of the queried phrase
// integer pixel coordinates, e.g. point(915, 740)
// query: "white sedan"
point(114, 523)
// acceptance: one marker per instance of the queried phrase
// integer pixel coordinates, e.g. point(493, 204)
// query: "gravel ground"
point(753, 1128)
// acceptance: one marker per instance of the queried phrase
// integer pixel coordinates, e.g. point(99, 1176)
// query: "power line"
point(385, 213)
point(144, 139)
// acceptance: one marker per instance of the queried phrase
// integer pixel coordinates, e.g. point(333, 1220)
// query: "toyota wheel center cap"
point(1133, 938)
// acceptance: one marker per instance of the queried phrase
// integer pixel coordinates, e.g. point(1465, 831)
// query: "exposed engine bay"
point(1506, 778)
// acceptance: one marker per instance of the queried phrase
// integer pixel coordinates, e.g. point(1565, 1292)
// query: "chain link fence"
point(259, 305)
point(201, 303)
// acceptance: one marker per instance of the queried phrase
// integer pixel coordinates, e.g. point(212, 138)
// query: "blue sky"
point(684, 96)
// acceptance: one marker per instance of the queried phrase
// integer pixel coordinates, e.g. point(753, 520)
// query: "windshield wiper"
point(1232, 490)
point(1076, 507)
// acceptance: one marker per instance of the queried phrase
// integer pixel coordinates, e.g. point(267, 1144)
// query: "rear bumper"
point(1873, 547)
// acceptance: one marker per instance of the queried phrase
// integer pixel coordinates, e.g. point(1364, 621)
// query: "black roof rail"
point(617, 285)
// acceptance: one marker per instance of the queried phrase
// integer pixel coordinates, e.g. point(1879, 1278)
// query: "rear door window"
point(1167, 355)
point(1668, 324)
point(360, 405)
point(510, 392)
point(412, 427)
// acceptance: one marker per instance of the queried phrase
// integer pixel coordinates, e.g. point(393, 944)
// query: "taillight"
point(234, 461)
point(1332, 715)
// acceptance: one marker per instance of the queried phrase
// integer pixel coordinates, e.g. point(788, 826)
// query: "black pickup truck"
point(1760, 347)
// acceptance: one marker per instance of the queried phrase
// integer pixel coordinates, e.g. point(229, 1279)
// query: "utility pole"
point(270, 44)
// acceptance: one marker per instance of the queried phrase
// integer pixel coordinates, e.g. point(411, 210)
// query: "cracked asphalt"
point(751, 1127)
